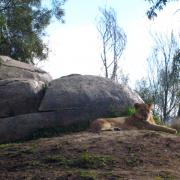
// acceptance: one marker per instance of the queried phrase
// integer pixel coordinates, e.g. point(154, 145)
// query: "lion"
point(141, 119)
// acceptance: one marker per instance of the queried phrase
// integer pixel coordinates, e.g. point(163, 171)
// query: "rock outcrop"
point(22, 127)
point(21, 87)
point(30, 102)
point(20, 96)
point(10, 68)
point(94, 95)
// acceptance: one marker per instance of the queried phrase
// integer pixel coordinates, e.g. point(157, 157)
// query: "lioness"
point(142, 119)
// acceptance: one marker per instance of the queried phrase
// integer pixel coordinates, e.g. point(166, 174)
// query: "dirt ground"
point(121, 155)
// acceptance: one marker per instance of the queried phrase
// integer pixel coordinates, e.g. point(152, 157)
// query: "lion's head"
point(143, 111)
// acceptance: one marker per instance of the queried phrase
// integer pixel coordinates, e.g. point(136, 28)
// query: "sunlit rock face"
point(87, 95)
point(20, 96)
point(21, 87)
point(10, 68)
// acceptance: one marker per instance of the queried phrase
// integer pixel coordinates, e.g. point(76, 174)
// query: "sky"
point(75, 45)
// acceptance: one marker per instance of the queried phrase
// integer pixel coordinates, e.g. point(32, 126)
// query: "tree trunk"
point(178, 111)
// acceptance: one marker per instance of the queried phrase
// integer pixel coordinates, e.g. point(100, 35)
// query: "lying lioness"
point(142, 119)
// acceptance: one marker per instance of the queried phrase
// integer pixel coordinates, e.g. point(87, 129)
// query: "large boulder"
point(92, 95)
point(25, 126)
point(20, 96)
point(22, 127)
point(21, 87)
point(67, 100)
point(10, 68)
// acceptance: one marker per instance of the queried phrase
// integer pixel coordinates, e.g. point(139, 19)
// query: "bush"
point(127, 111)
point(157, 119)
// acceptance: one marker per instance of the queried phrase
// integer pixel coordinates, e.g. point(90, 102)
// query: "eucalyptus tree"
point(22, 27)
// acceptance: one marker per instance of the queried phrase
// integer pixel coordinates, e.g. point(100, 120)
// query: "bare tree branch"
point(113, 42)
point(164, 76)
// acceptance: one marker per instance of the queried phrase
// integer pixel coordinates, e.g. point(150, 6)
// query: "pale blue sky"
point(75, 46)
point(81, 12)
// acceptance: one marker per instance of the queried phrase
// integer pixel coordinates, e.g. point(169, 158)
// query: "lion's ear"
point(150, 105)
point(136, 105)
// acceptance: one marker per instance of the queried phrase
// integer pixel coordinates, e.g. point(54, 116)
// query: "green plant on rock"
point(127, 111)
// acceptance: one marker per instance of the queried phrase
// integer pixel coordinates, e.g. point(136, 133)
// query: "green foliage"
point(143, 89)
point(128, 111)
point(165, 175)
point(157, 119)
point(157, 5)
point(86, 175)
point(22, 26)
point(4, 145)
point(133, 160)
point(92, 161)
point(60, 160)
point(162, 86)
point(85, 160)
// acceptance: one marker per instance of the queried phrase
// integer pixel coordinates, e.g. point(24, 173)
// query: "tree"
point(142, 88)
point(22, 27)
point(164, 76)
point(113, 42)
point(157, 5)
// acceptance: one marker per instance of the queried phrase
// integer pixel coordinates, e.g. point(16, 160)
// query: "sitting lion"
point(142, 119)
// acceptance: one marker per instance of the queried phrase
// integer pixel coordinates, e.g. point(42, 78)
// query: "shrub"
point(157, 119)
point(127, 111)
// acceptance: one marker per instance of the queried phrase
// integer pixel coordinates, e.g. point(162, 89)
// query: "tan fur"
point(142, 119)
point(151, 120)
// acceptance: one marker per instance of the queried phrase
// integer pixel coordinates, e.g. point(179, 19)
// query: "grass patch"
point(91, 161)
point(113, 176)
point(2, 146)
point(34, 163)
point(85, 161)
point(133, 160)
point(58, 159)
point(164, 175)
point(79, 175)
point(86, 175)
point(19, 153)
